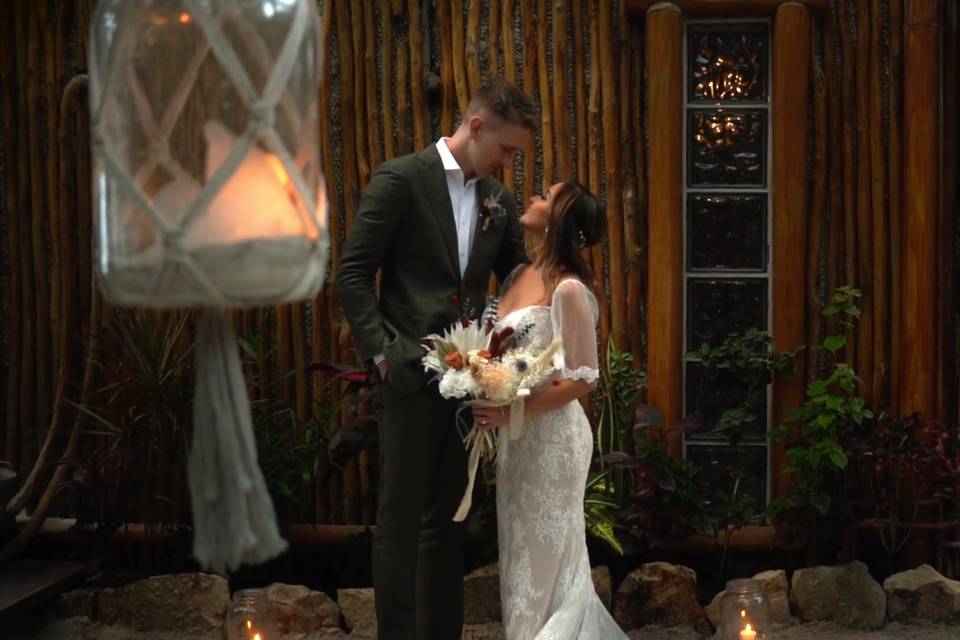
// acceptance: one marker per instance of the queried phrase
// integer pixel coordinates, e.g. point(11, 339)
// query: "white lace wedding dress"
point(546, 589)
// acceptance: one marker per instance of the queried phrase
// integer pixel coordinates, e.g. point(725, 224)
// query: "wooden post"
point(921, 169)
point(665, 211)
point(791, 90)
point(920, 198)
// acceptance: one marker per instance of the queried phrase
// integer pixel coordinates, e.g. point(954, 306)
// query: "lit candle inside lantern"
point(748, 633)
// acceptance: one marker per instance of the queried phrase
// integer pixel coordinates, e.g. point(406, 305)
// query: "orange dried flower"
point(455, 360)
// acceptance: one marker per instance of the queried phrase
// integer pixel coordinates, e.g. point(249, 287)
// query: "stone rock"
point(359, 611)
point(846, 594)
point(486, 631)
point(922, 594)
point(777, 589)
point(300, 610)
point(81, 602)
point(188, 603)
point(603, 585)
point(713, 609)
point(661, 594)
point(481, 596)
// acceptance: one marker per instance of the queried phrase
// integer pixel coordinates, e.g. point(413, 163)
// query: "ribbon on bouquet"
point(482, 444)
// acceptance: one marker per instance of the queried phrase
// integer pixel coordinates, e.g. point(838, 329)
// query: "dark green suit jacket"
point(405, 228)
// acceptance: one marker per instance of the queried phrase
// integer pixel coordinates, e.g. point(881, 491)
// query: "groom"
point(434, 224)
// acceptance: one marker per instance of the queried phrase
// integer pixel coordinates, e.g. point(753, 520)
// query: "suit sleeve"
point(512, 252)
point(369, 242)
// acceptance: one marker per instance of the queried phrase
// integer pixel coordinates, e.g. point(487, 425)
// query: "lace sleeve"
point(574, 312)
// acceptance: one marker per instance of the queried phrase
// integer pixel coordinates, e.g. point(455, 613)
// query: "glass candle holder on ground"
point(744, 612)
point(251, 617)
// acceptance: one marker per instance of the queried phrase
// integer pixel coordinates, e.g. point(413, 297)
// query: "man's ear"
point(475, 123)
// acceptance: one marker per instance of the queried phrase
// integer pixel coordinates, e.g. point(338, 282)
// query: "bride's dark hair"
point(576, 221)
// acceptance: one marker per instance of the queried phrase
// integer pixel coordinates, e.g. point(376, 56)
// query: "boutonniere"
point(491, 210)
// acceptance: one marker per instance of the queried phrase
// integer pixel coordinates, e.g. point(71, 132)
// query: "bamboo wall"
point(401, 72)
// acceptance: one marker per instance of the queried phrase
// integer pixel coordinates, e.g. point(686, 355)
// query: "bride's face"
point(537, 215)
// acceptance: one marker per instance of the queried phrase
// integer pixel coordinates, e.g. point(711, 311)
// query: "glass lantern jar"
point(206, 171)
point(744, 612)
point(251, 617)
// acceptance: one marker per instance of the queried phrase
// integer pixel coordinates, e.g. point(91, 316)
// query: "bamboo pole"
point(864, 213)
point(611, 150)
point(560, 92)
point(639, 258)
point(895, 180)
point(11, 79)
point(948, 387)
point(493, 39)
point(722, 8)
point(665, 293)
point(447, 72)
point(529, 70)
point(509, 71)
point(506, 35)
point(547, 159)
point(417, 46)
point(372, 132)
point(348, 147)
point(836, 198)
point(26, 69)
point(360, 121)
point(920, 171)
point(596, 183)
point(459, 53)
point(386, 78)
point(51, 45)
point(879, 224)
point(820, 202)
point(404, 123)
point(579, 91)
point(848, 106)
point(472, 47)
point(791, 56)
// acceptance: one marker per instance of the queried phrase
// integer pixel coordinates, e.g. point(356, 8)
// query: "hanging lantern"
point(208, 193)
point(744, 612)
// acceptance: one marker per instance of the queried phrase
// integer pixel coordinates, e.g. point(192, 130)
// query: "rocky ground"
point(656, 601)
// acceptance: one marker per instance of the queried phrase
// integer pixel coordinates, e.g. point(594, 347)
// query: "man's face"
point(494, 143)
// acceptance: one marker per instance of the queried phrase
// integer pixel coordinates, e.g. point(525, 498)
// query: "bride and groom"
point(434, 225)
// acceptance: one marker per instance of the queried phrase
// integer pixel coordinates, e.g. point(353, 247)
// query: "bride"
point(545, 585)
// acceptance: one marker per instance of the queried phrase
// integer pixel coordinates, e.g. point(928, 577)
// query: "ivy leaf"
point(834, 343)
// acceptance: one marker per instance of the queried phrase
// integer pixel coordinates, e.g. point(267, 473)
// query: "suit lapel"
point(435, 185)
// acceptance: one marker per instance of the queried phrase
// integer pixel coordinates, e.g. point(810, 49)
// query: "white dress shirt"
point(463, 199)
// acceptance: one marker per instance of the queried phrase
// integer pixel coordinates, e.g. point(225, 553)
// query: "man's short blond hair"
point(506, 101)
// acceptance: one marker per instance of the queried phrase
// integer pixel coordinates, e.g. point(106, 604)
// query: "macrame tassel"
point(233, 517)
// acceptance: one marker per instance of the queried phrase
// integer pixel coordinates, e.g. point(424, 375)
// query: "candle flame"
point(256, 636)
point(743, 613)
point(185, 18)
point(748, 628)
point(249, 624)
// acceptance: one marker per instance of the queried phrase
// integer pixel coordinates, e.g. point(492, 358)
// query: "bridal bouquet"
point(486, 368)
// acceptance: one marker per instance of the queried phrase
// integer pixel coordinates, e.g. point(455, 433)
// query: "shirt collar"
point(449, 162)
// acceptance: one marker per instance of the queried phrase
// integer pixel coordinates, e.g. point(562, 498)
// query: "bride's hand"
point(490, 418)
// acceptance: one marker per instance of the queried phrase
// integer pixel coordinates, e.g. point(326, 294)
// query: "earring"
point(546, 230)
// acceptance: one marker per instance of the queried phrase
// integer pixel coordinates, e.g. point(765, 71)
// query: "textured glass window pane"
point(727, 147)
point(710, 393)
point(728, 62)
point(720, 463)
point(726, 232)
point(717, 308)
